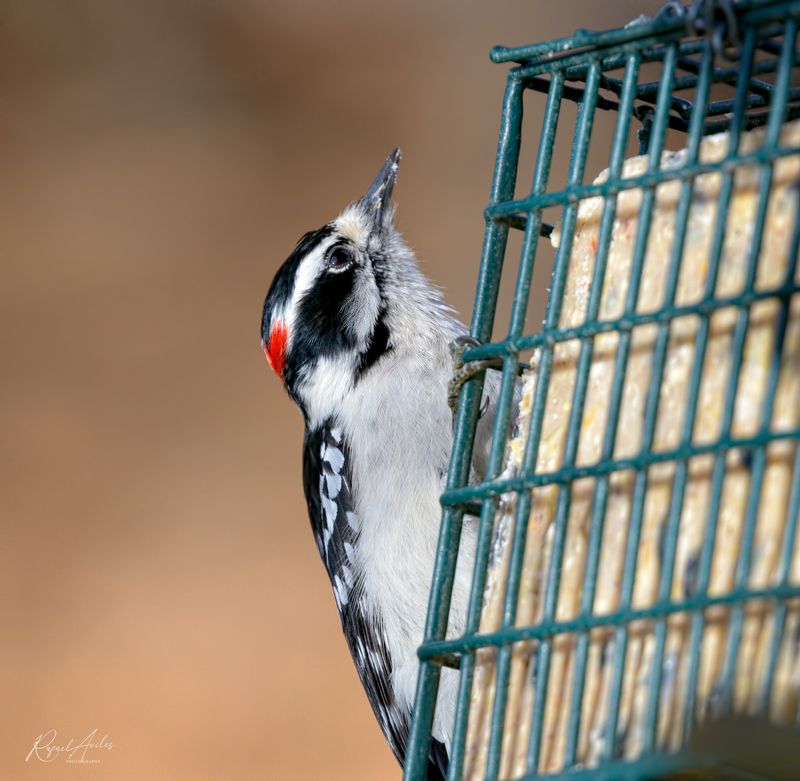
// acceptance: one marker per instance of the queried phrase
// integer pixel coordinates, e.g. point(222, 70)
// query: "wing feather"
point(327, 481)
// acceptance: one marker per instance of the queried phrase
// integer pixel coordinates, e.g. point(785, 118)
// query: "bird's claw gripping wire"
point(463, 372)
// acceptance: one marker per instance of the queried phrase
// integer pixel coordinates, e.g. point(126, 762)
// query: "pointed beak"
point(379, 195)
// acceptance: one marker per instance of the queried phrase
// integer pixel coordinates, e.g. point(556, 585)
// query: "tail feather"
point(437, 762)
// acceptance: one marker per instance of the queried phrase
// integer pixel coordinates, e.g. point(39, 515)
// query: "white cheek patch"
point(364, 308)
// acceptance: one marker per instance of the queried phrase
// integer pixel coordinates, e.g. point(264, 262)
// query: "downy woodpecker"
point(361, 340)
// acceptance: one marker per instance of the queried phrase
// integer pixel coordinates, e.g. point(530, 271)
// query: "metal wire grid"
point(577, 69)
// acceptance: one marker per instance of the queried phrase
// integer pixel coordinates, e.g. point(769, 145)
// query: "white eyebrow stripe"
point(307, 273)
point(351, 225)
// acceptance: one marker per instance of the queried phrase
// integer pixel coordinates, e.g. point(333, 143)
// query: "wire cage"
point(637, 567)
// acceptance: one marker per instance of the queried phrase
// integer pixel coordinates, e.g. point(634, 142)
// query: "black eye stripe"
point(379, 345)
point(280, 291)
point(323, 322)
point(320, 314)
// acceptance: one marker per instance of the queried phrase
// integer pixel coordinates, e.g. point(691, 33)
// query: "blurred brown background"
point(159, 159)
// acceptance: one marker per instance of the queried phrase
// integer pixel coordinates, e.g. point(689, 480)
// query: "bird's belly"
point(397, 581)
point(397, 481)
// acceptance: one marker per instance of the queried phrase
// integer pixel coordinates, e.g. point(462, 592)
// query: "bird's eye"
point(339, 259)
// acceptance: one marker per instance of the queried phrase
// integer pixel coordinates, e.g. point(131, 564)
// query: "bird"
point(363, 343)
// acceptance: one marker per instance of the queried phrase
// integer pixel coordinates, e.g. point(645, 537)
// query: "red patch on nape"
point(276, 349)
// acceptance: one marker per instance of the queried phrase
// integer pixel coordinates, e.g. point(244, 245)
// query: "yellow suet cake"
point(771, 345)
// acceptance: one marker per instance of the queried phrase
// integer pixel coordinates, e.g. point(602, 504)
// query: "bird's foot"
point(463, 372)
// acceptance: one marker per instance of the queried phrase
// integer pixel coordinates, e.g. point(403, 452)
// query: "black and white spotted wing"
point(327, 484)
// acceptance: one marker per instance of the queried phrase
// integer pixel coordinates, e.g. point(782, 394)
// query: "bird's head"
point(344, 300)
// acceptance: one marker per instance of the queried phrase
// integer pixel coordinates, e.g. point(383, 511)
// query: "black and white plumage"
point(336, 527)
point(362, 340)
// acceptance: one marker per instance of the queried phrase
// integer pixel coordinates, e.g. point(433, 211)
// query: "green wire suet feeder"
point(637, 570)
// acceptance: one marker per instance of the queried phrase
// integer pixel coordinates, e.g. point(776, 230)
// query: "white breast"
point(399, 429)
